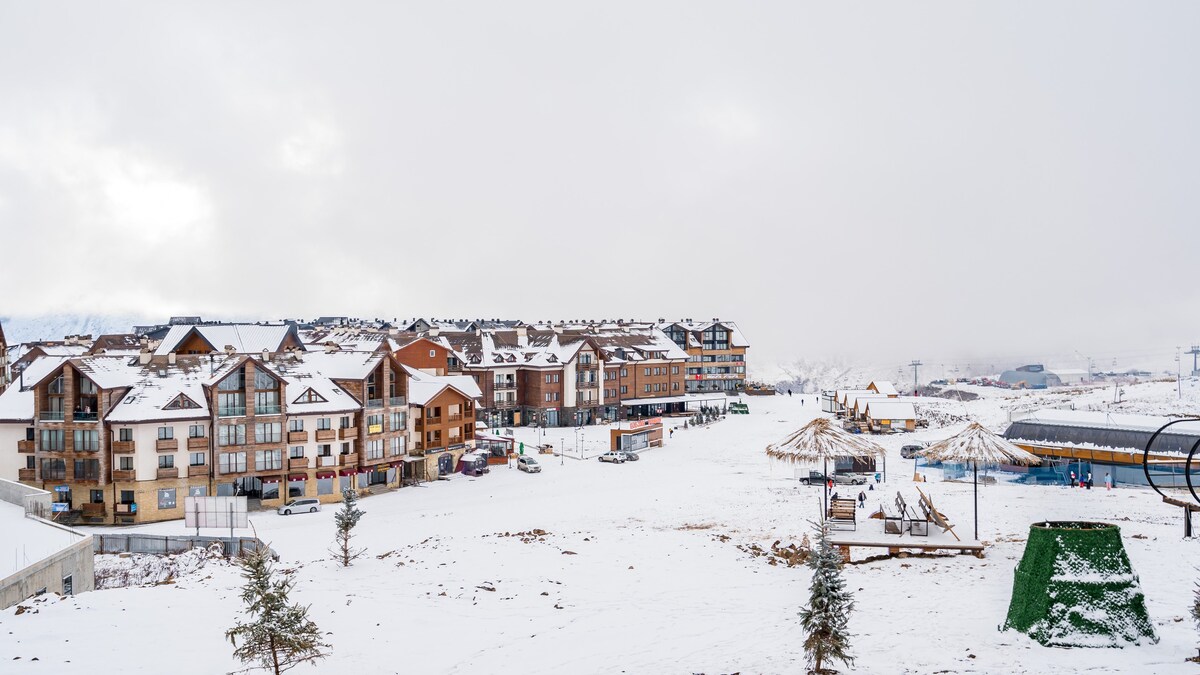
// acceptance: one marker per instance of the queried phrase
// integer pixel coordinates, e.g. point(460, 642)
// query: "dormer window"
point(181, 402)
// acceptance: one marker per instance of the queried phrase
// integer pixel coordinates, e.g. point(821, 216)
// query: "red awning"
point(325, 474)
point(273, 479)
point(364, 469)
point(396, 465)
point(346, 472)
point(298, 476)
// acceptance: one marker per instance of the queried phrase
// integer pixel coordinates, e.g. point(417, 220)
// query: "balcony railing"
point(297, 462)
point(297, 437)
point(197, 470)
point(397, 400)
point(267, 409)
point(51, 415)
point(418, 445)
point(374, 403)
point(197, 443)
point(348, 432)
point(27, 475)
point(80, 416)
point(168, 472)
point(327, 460)
point(505, 403)
point(456, 417)
point(433, 420)
point(166, 445)
point(505, 385)
point(124, 447)
point(231, 411)
point(127, 509)
point(349, 461)
point(124, 474)
point(587, 384)
point(24, 446)
point(94, 510)
point(326, 434)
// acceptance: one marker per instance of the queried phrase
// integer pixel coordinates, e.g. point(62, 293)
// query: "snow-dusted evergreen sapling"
point(280, 635)
point(345, 520)
point(829, 605)
point(1196, 606)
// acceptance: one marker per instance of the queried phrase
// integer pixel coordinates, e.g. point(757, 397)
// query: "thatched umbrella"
point(977, 444)
point(820, 441)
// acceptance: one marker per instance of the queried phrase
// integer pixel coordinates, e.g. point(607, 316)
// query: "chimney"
point(330, 346)
point(266, 356)
point(230, 350)
point(144, 357)
point(434, 331)
point(171, 358)
point(522, 332)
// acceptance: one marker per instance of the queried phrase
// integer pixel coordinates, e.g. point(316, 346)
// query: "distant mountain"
point(55, 326)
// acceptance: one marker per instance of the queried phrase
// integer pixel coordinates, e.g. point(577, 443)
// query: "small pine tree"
point(280, 635)
point(825, 618)
point(345, 520)
point(1196, 606)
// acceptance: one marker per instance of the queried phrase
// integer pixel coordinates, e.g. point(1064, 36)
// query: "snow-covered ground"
point(645, 567)
point(24, 541)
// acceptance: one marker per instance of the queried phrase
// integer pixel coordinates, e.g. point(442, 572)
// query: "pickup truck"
point(817, 478)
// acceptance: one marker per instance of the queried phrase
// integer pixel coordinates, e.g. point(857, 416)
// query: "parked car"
point(613, 456)
point(630, 456)
point(910, 451)
point(305, 505)
point(528, 464)
point(817, 478)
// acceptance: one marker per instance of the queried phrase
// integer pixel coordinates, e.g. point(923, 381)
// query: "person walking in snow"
point(1072, 479)
point(1108, 481)
point(672, 435)
point(789, 392)
point(1089, 480)
point(862, 499)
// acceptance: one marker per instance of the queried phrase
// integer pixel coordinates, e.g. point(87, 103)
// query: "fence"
point(165, 545)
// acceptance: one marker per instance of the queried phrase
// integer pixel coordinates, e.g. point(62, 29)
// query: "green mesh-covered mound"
point(1075, 587)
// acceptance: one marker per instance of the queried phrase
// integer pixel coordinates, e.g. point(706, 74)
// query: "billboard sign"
point(215, 512)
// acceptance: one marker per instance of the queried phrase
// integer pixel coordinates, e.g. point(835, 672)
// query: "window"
point(647, 389)
point(674, 370)
point(324, 484)
point(345, 422)
point(397, 446)
point(196, 431)
point(624, 389)
point(166, 433)
point(324, 450)
point(231, 434)
point(181, 402)
point(647, 371)
point(52, 439)
point(231, 404)
point(375, 449)
point(547, 378)
point(374, 420)
point(87, 441)
point(432, 353)
point(125, 435)
point(266, 403)
point(268, 432)
point(268, 460)
point(675, 386)
point(166, 461)
point(236, 381)
point(233, 462)
point(166, 498)
point(345, 448)
point(126, 463)
point(297, 452)
point(196, 459)
point(87, 469)
point(399, 421)
point(556, 377)
point(296, 425)
point(270, 489)
point(624, 372)
point(197, 490)
point(323, 424)
point(68, 585)
point(54, 469)
point(262, 380)
point(547, 396)
point(126, 496)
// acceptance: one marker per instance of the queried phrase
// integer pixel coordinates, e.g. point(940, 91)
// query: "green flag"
point(522, 448)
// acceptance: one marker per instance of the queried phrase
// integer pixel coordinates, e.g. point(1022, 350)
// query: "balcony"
point(124, 474)
point(432, 421)
point(347, 433)
point(398, 401)
point(197, 471)
point(505, 403)
point(418, 446)
point(231, 411)
point(297, 437)
point(166, 445)
point(27, 475)
point(505, 385)
point(268, 409)
point(124, 447)
point(126, 509)
point(349, 461)
point(327, 460)
point(94, 510)
point(374, 403)
point(587, 384)
point(198, 443)
point(297, 462)
point(80, 416)
point(168, 472)
point(326, 435)
point(51, 416)
point(24, 446)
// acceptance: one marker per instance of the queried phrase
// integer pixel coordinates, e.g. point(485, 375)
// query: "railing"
point(587, 384)
point(166, 445)
point(348, 432)
point(51, 415)
point(24, 446)
point(348, 461)
point(267, 409)
point(80, 416)
point(297, 462)
point(297, 437)
point(197, 470)
point(124, 447)
point(417, 445)
point(94, 510)
point(326, 434)
point(168, 472)
point(197, 443)
point(124, 474)
point(374, 403)
point(505, 385)
point(397, 400)
point(165, 545)
point(327, 460)
point(433, 420)
point(232, 411)
point(504, 403)
point(457, 417)
point(27, 474)
point(126, 509)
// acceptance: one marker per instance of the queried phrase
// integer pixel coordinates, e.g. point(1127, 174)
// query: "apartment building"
point(443, 421)
point(716, 354)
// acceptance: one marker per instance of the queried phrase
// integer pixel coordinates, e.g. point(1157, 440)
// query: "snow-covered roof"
point(316, 371)
point(890, 409)
point(246, 338)
point(423, 387)
point(884, 387)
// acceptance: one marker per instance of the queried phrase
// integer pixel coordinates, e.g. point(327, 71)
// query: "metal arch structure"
point(1187, 471)
point(1187, 466)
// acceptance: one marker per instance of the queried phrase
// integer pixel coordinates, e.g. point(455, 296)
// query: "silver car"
point(302, 505)
point(528, 464)
point(615, 456)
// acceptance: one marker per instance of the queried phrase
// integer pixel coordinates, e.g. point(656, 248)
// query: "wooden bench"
point(843, 512)
point(934, 515)
point(918, 527)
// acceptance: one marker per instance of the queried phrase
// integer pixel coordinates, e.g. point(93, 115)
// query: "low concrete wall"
point(76, 561)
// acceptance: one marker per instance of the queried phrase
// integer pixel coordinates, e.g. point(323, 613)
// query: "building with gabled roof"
point(233, 338)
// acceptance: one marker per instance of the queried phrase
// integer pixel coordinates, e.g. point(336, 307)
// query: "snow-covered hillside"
point(55, 326)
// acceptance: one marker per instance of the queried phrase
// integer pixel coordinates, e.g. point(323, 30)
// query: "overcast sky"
point(876, 181)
